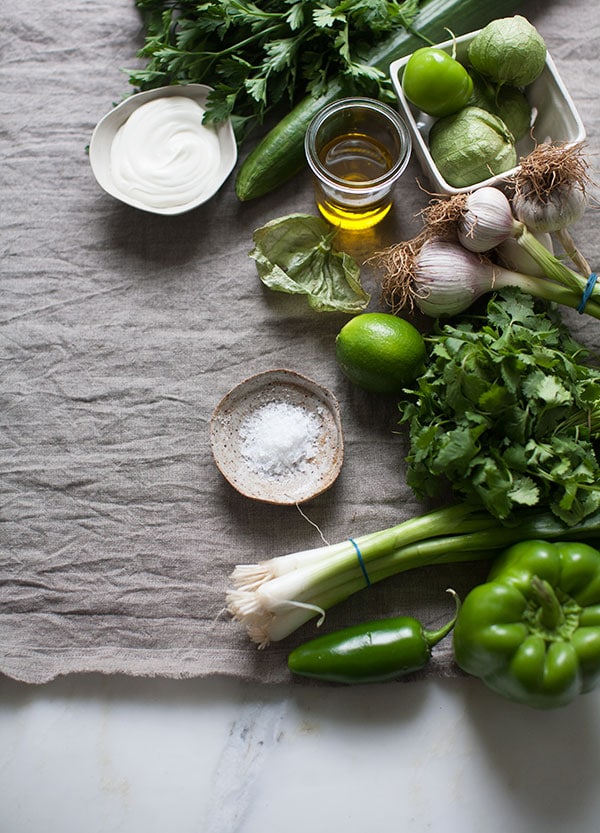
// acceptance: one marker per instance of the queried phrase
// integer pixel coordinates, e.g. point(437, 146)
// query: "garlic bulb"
point(444, 279)
point(486, 220)
point(559, 208)
point(448, 279)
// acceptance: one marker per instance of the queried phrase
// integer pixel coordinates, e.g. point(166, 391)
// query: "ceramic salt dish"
point(153, 152)
point(277, 437)
point(555, 118)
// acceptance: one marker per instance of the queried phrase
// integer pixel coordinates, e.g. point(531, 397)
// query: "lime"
point(380, 352)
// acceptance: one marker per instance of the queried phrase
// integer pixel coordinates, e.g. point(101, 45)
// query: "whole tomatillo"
point(435, 82)
point(505, 101)
point(509, 50)
point(471, 146)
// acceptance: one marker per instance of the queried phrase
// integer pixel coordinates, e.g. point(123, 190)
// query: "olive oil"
point(357, 149)
point(354, 159)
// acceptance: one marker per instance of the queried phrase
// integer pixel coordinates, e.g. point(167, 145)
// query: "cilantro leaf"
point(325, 17)
point(507, 413)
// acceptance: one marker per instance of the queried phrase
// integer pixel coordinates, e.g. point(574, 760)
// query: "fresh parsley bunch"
point(507, 413)
point(258, 56)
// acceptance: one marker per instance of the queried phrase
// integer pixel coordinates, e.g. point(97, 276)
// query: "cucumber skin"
point(280, 154)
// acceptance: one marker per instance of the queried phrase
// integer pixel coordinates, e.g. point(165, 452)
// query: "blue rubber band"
point(587, 292)
point(361, 561)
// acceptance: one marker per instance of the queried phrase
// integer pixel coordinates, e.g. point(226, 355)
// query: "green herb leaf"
point(288, 48)
point(295, 254)
point(326, 17)
point(508, 413)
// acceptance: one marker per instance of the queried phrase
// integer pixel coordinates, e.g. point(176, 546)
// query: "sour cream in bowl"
point(154, 152)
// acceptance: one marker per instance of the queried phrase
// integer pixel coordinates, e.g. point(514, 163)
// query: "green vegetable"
point(295, 254)
point(508, 413)
point(275, 597)
point(471, 146)
point(280, 154)
point(258, 56)
point(512, 106)
point(435, 82)
point(486, 220)
point(373, 652)
point(509, 51)
point(532, 631)
point(509, 103)
point(443, 278)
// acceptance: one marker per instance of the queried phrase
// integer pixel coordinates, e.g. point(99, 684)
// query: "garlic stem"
point(544, 289)
point(573, 252)
point(553, 268)
point(513, 256)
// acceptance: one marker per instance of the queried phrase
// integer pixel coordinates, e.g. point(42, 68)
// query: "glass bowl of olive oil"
point(357, 149)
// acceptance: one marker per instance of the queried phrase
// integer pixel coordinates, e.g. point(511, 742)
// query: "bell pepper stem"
point(433, 637)
point(551, 614)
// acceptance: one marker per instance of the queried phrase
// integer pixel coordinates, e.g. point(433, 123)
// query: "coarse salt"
point(279, 439)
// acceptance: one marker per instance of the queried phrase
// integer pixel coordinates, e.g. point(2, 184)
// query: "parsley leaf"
point(288, 48)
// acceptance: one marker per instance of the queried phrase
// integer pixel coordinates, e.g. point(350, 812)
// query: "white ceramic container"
point(555, 118)
point(104, 135)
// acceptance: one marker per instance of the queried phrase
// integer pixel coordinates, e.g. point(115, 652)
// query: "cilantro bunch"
point(507, 413)
point(260, 55)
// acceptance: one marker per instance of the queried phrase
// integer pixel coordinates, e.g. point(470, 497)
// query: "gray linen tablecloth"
point(121, 330)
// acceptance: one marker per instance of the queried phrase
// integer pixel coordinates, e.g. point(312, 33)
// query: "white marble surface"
point(95, 754)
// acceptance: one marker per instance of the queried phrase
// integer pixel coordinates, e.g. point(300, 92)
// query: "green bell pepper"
point(532, 631)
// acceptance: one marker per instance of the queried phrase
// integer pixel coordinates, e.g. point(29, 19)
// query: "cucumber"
point(280, 154)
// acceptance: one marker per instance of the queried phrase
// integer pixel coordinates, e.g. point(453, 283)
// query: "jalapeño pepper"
point(372, 652)
point(532, 631)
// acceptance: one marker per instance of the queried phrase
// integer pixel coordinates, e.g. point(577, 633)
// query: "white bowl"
point(106, 130)
point(310, 475)
point(556, 119)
